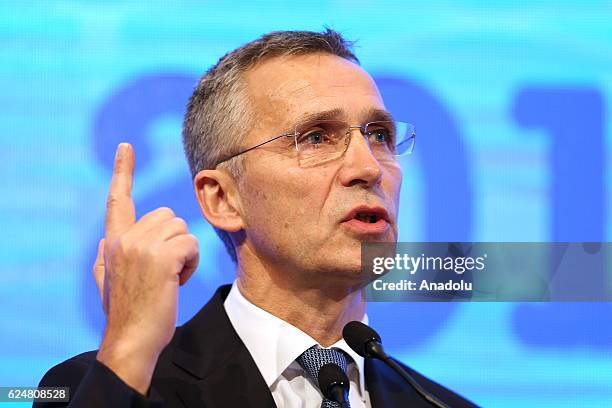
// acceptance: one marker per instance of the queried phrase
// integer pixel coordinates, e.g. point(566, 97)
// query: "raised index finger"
point(120, 212)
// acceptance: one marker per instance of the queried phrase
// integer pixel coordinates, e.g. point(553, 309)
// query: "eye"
point(315, 137)
point(381, 135)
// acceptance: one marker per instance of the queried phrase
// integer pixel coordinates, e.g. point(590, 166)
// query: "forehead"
point(283, 89)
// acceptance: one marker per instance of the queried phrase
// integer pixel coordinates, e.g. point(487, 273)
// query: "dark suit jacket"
point(207, 365)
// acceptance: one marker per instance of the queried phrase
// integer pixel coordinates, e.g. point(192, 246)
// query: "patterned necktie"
point(314, 358)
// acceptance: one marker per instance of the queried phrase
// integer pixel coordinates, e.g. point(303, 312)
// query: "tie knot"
point(314, 358)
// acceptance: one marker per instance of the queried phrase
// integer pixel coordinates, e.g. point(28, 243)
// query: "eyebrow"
point(376, 114)
point(370, 115)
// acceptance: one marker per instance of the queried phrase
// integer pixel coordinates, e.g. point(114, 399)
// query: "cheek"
point(277, 206)
point(396, 174)
point(298, 204)
point(393, 184)
point(267, 223)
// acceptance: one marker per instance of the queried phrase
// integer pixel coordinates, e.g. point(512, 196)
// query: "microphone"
point(367, 343)
point(334, 384)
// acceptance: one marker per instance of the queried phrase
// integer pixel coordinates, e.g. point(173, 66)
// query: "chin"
point(344, 268)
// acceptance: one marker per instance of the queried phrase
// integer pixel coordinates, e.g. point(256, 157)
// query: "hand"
point(139, 268)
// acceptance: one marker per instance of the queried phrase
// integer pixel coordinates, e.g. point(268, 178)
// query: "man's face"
point(310, 219)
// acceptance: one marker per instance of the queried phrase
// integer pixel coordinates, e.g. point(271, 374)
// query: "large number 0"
point(128, 115)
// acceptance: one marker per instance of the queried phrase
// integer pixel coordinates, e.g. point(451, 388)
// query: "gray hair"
point(218, 113)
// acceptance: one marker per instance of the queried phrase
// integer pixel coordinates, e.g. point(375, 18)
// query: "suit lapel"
point(208, 348)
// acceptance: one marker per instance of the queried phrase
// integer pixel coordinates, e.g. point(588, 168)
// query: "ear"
point(218, 198)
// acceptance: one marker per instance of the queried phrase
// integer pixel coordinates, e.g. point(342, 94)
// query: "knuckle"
point(119, 168)
point(192, 239)
point(122, 245)
point(137, 248)
point(112, 200)
point(165, 211)
point(143, 248)
point(154, 250)
point(180, 223)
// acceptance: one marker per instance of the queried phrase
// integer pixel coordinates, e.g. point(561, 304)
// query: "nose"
point(359, 165)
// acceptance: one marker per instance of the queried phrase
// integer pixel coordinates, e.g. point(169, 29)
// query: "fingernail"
point(120, 150)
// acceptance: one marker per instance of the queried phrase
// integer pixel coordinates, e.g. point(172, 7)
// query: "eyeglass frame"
point(295, 135)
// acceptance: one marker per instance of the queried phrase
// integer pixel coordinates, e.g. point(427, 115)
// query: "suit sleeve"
point(92, 384)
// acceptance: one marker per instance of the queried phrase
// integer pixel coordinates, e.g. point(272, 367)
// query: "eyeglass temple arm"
point(254, 147)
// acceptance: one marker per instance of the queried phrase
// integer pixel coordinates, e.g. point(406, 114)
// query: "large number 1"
point(574, 121)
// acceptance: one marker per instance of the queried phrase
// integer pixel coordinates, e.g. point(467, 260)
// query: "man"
point(293, 157)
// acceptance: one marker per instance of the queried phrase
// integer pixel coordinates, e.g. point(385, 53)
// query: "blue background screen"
point(510, 102)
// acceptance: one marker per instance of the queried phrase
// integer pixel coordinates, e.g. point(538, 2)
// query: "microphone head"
point(358, 335)
point(330, 377)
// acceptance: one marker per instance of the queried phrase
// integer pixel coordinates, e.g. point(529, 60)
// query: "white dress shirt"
point(275, 344)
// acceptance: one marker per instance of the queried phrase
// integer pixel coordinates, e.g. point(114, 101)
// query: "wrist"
point(130, 361)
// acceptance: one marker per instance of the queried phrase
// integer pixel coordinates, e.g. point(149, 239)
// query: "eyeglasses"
point(324, 140)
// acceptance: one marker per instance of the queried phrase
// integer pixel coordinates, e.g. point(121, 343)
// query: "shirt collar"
point(273, 343)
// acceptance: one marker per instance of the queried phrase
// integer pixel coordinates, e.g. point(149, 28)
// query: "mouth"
point(367, 220)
